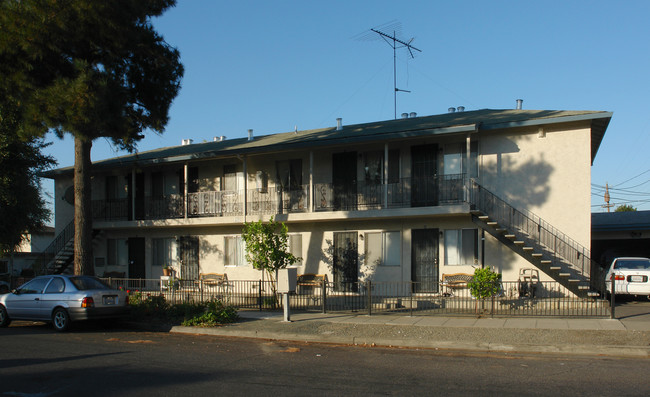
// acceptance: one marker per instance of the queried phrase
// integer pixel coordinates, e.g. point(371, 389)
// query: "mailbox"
point(287, 280)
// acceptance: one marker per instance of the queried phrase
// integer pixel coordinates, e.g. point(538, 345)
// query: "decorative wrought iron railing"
point(403, 193)
point(274, 200)
point(164, 207)
point(215, 203)
point(547, 298)
point(111, 209)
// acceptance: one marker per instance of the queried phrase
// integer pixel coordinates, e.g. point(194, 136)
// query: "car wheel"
point(4, 317)
point(60, 320)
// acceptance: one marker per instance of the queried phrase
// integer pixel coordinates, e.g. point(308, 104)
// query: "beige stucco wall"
point(549, 176)
point(63, 211)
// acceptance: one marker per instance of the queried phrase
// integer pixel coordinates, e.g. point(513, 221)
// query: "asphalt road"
point(36, 361)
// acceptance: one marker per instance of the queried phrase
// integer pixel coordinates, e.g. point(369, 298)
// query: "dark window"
point(83, 283)
point(35, 286)
point(56, 286)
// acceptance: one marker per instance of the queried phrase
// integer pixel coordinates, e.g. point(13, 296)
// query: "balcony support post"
point(245, 203)
point(133, 190)
point(385, 198)
point(185, 175)
point(468, 166)
point(311, 181)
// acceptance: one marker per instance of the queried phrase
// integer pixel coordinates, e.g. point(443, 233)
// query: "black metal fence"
point(515, 299)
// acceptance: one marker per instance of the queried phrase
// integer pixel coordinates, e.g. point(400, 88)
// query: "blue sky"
point(275, 66)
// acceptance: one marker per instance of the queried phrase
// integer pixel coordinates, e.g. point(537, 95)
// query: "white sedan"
point(61, 299)
point(631, 276)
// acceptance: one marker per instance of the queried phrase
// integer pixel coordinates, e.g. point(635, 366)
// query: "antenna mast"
point(395, 43)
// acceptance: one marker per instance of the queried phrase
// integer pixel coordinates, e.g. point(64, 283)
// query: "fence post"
point(369, 293)
point(410, 298)
point(612, 304)
point(259, 294)
point(324, 295)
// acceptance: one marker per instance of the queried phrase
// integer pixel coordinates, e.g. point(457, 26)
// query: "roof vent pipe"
point(339, 124)
point(413, 114)
point(405, 115)
point(186, 142)
point(451, 110)
point(519, 103)
point(250, 134)
point(461, 108)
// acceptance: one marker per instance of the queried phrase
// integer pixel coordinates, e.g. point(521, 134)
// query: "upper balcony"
point(319, 197)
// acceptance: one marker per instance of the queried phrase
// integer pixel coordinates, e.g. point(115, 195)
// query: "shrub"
point(215, 313)
point(157, 309)
point(485, 283)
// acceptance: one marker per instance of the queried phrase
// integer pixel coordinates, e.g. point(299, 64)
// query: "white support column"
point(385, 176)
point(245, 206)
point(185, 183)
point(468, 167)
point(311, 181)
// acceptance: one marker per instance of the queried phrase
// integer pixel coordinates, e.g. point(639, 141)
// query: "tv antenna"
point(396, 43)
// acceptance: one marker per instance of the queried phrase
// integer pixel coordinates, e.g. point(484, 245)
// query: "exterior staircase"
point(58, 256)
point(550, 250)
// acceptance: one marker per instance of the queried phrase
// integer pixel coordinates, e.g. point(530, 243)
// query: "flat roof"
point(620, 221)
point(446, 123)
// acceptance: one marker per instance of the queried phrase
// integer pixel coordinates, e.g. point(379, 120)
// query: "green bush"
point(485, 283)
point(215, 313)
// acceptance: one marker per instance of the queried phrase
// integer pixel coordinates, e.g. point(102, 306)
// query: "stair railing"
point(563, 247)
point(54, 248)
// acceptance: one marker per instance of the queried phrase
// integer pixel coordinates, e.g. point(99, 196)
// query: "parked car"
point(631, 276)
point(62, 299)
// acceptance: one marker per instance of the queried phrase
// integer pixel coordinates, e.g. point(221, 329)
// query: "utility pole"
point(607, 204)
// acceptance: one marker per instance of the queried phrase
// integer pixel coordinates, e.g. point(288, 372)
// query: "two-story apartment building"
point(398, 200)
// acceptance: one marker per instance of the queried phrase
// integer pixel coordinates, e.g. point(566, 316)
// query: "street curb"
point(587, 350)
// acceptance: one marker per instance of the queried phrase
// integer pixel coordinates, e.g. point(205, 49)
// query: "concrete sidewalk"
point(618, 337)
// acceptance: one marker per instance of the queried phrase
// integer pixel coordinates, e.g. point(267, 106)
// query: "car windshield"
point(633, 264)
point(85, 283)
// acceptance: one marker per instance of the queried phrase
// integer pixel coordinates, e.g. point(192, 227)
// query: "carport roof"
point(620, 221)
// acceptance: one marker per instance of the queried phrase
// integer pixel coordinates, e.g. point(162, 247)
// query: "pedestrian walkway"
point(611, 337)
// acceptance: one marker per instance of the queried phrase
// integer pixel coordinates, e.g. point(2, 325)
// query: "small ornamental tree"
point(484, 284)
point(267, 247)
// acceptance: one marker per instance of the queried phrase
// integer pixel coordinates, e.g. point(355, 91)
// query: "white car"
point(631, 276)
point(61, 299)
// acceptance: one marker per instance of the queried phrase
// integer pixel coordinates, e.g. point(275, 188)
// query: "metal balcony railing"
point(111, 209)
point(215, 203)
point(278, 200)
point(403, 193)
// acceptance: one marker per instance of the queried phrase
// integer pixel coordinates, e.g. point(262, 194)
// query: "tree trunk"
point(83, 221)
